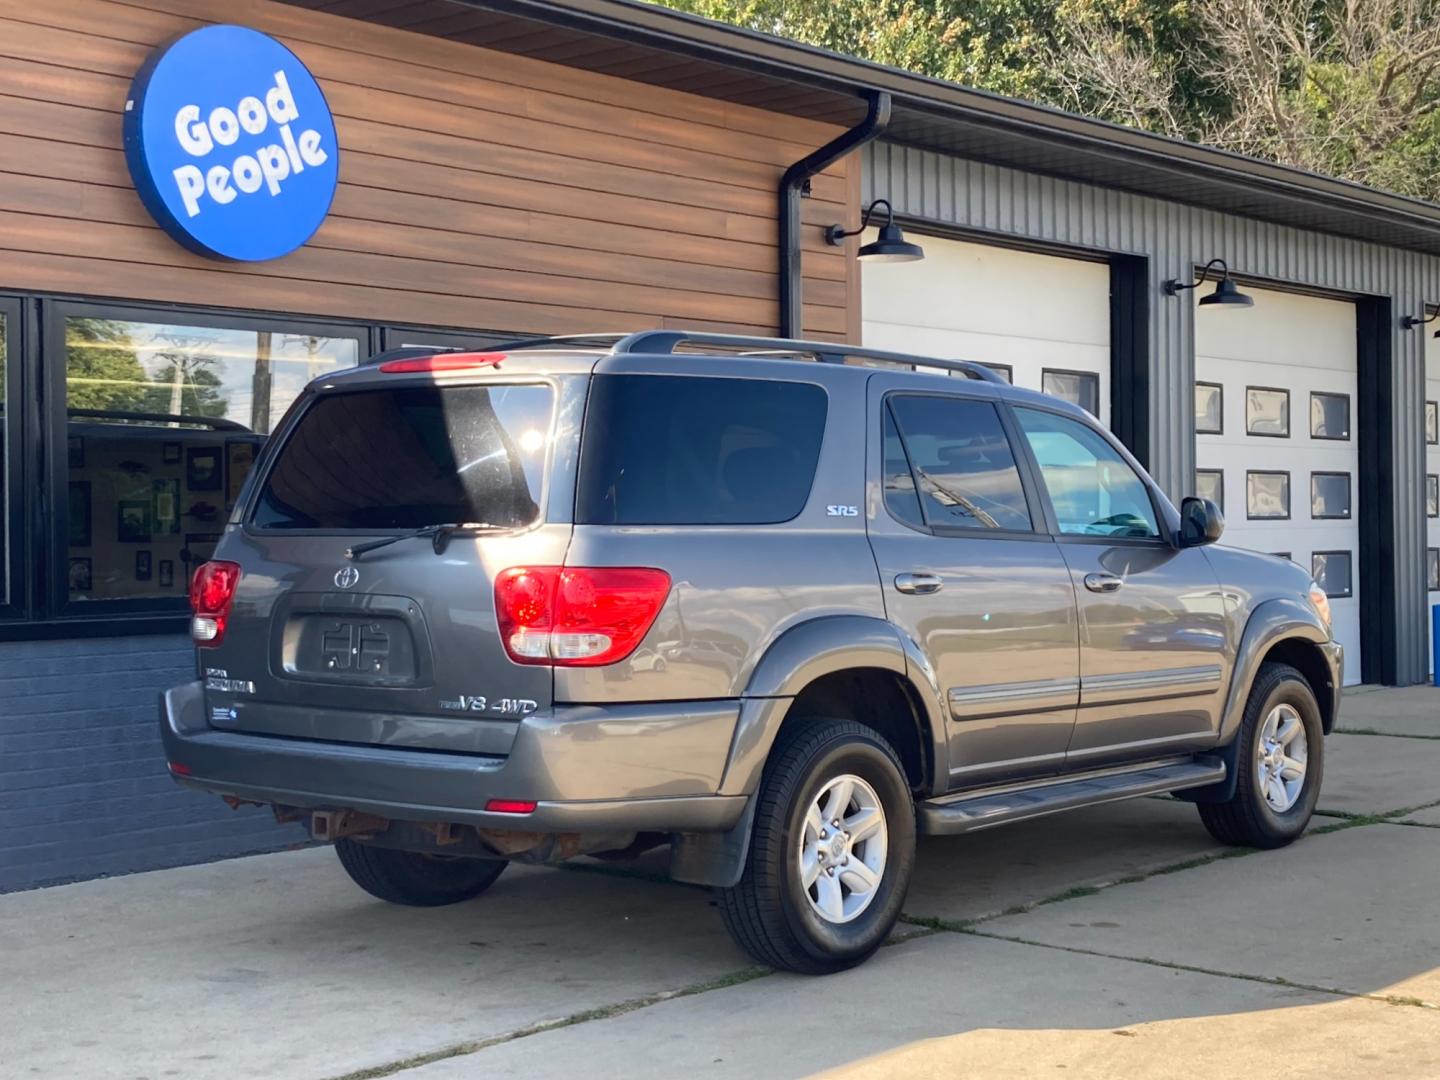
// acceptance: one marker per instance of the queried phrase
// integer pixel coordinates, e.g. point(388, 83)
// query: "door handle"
point(1103, 582)
point(918, 584)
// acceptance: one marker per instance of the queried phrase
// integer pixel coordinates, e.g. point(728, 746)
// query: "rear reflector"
point(442, 362)
point(212, 591)
point(178, 769)
point(510, 806)
point(577, 616)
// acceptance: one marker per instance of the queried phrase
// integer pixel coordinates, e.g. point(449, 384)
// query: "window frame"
point(16, 510)
point(53, 605)
point(1349, 413)
point(1289, 413)
point(1349, 515)
point(1082, 374)
point(1221, 474)
point(1349, 555)
point(1039, 527)
point(1034, 478)
point(1221, 388)
point(1289, 500)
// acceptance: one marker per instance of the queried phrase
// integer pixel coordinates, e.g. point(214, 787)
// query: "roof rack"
point(825, 352)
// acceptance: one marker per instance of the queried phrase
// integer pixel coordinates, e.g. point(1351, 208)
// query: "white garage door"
point(1041, 321)
point(1275, 437)
point(1432, 479)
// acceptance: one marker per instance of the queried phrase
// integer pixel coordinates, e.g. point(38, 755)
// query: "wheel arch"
point(1288, 631)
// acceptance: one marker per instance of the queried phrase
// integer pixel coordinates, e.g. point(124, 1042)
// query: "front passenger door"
point(1154, 654)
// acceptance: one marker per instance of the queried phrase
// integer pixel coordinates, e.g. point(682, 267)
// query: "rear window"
point(410, 457)
point(682, 450)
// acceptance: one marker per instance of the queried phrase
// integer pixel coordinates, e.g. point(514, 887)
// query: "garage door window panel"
point(1330, 495)
point(1267, 496)
point(1267, 412)
point(1005, 371)
point(1432, 423)
point(1432, 495)
point(1210, 484)
point(1332, 571)
point(1209, 408)
point(1093, 489)
point(1432, 569)
point(1077, 387)
point(961, 468)
point(1329, 416)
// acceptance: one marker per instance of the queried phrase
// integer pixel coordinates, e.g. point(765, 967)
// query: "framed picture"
point(198, 548)
point(78, 513)
point(170, 453)
point(203, 468)
point(80, 579)
point(142, 566)
point(132, 521)
point(166, 496)
point(240, 458)
point(77, 451)
point(167, 574)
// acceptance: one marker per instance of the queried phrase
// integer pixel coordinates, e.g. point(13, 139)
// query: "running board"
point(967, 813)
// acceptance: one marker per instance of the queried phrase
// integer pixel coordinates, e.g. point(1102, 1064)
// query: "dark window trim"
point(1349, 494)
point(1432, 478)
point(1212, 431)
point(15, 514)
point(1349, 412)
point(1289, 419)
point(1037, 521)
point(1289, 490)
point(1221, 474)
point(1286, 555)
point(1432, 406)
point(1350, 557)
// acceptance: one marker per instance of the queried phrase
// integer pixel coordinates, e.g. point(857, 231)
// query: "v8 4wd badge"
point(498, 706)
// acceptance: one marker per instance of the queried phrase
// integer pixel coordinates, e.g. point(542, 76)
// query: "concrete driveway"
point(1115, 941)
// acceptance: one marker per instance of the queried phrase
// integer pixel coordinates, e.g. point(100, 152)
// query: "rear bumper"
point(637, 768)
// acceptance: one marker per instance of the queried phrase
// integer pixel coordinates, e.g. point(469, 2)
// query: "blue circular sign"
point(231, 144)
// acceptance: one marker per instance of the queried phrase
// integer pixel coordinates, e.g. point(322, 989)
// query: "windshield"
point(411, 457)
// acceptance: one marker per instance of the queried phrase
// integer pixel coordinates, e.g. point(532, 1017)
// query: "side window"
point(948, 461)
point(1094, 490)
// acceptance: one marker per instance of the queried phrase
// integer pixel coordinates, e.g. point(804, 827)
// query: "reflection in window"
point(1432, 495)
point(1077, 387)
point(1331, 571)
point(1267, 412)
point(1209, 409)
point(1267, 495)
point(1329, 416)
point(901, 498)
point(961, 462)
point(1329, 495)
point(1432, 422)
point(1094, 490)
point(1210, 484)
point(164, 425)
point(1432, 569)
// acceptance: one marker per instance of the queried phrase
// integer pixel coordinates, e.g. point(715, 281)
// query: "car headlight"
point(1321, 603)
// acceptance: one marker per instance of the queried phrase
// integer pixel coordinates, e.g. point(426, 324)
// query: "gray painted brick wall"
point(83, 785)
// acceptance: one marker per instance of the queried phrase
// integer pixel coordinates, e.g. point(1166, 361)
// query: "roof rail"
point(826, 352)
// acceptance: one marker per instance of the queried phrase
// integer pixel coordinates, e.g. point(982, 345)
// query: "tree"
point(101, 368)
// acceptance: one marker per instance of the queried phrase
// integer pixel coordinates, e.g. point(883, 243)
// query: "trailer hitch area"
point(331, 825)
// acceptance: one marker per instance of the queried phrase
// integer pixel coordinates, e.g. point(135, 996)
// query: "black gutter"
point(792, 285)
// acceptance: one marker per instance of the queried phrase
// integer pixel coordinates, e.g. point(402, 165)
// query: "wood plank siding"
point(478, 189)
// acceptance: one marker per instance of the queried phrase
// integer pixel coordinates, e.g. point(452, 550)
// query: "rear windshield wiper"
point(439, 536)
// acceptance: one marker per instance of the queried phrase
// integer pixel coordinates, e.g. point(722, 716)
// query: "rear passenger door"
point(1154, 652)
point(970, 574)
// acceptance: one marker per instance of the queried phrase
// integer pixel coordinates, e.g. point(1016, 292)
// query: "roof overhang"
point(656, 45)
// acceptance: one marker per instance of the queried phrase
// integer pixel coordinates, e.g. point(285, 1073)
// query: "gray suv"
point(780, 605)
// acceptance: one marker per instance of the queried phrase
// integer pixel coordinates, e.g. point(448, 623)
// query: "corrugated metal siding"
point(1025, 207)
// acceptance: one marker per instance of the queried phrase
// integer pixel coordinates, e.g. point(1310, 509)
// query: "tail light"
point(212, 591)
point(575, 616)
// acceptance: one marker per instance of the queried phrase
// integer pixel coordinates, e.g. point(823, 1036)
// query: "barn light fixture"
point(1409, 322)
point(1225, 293)
point(889, 246)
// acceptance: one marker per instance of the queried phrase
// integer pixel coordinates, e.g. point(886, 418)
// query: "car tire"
point(414, 878)
point(858, 876)
point(1271, 805)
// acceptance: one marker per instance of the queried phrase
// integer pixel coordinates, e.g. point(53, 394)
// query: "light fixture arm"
point(1174, 287)
point(1409, 322)
point(835, 235)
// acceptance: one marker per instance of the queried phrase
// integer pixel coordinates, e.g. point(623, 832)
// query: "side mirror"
point(1201, 522)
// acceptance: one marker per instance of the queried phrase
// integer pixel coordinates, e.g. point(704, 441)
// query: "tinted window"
point(1330, 495)
point(1331, 571)
point(406, 458)
point(1094, 490)
point(961, 462)
point(682, 450)
point(901, 498)
point(1077, 387)
point(1330, 416)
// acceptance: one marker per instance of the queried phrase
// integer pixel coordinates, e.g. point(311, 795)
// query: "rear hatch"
point(399, 644)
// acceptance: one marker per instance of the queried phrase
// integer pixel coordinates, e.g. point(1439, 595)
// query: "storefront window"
point(164, 422)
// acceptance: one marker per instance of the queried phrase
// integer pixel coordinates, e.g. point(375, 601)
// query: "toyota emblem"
point(347, 577)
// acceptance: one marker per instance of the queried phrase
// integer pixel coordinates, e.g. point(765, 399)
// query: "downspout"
point(792, 300)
